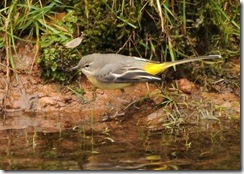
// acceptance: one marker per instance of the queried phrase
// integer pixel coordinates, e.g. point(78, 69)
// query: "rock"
point(156, 96)
point(186, 86)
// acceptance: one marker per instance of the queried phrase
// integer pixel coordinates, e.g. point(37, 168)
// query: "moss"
point(56, 62)
point(55, 59)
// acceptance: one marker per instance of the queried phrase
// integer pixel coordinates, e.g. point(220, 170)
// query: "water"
point(64, 141)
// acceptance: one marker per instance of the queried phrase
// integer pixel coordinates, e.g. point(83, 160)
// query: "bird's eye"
point(86, 65)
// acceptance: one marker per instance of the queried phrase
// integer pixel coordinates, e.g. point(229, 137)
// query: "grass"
point(26, 21)
point(148, 29)
point(179, 108)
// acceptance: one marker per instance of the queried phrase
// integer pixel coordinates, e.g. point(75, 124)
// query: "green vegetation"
point(154, 29)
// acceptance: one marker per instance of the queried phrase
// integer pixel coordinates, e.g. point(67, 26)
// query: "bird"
point(117, 71)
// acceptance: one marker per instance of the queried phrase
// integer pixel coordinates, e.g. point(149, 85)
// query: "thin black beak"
point(74, 68)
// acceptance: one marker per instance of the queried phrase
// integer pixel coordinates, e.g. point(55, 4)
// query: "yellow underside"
point(108, 85)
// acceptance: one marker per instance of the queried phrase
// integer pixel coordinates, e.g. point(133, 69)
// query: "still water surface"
point(63, 142)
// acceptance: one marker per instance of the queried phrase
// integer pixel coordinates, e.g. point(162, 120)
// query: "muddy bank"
point(140, 102)
point(174, 103)
point(30, 94)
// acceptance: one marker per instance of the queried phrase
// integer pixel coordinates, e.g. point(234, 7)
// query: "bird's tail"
point(166, 65)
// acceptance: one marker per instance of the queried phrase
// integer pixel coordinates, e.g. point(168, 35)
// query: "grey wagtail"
point(116, 71)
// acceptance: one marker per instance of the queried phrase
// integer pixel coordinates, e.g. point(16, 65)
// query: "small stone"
point(156, 96)
point(186, 86)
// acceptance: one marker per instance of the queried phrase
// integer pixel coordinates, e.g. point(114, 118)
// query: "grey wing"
point(124, 74)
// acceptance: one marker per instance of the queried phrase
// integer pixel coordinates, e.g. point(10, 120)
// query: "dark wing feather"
point(124, 74)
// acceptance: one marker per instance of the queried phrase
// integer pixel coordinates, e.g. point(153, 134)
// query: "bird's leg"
point(162, 84)
point(94, 94)
point(148, 90)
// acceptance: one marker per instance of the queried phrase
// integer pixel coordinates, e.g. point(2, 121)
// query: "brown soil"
point(29, 93)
